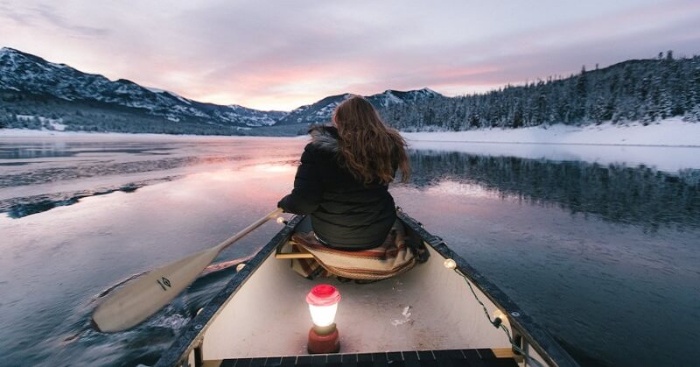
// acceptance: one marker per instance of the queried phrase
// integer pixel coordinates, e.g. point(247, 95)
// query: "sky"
point(280, 55)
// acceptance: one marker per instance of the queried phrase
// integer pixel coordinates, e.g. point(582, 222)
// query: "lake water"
point(605, 256)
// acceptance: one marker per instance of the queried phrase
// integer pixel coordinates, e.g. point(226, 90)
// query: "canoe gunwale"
point(536, 337)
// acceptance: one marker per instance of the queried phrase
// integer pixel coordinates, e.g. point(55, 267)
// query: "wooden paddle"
point(143, 296)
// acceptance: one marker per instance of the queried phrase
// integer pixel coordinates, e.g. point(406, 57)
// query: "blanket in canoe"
point(391, 258)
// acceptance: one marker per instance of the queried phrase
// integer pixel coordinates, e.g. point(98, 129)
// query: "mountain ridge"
point(26, 77)
point(36, 94)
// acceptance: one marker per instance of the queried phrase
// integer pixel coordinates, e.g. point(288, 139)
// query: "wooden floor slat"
point(502, 357)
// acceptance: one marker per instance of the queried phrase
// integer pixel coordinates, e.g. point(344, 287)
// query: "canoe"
point(440, 313)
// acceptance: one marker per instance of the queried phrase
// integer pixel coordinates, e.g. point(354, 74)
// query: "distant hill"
point(36, 94)
point(321, 111)
point(27, 79)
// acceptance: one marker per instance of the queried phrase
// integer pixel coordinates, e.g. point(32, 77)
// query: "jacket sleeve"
point(307, 192)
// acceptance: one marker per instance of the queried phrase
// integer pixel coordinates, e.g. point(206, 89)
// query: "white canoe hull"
point(262, 313)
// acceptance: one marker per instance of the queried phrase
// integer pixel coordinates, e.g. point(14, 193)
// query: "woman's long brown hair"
point(370, 149)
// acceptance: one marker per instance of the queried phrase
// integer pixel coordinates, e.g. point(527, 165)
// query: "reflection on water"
point(617, 193)
point(97, 169)
point(41, 174)
point(59, 262)
point(594, 253)
point(58, 148)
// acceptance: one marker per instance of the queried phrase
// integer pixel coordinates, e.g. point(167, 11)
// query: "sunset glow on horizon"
point(279, 55)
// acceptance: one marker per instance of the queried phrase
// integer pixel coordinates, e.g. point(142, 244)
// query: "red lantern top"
point(323, 295)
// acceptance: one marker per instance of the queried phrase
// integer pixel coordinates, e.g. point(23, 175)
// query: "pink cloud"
point(269, 56)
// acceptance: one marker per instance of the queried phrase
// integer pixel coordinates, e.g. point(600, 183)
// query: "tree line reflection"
point(618, 193)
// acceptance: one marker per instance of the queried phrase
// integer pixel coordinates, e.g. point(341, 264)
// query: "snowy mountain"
point(36, 94)
point(394, 97)
point(25, 74)
point(321, 111)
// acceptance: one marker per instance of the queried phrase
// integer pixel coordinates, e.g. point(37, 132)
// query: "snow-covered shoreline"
point(670, 132)
point(670, 145)
point(667, 133)
point(20, 134)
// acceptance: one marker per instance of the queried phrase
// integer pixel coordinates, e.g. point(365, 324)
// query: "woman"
point(342, 182)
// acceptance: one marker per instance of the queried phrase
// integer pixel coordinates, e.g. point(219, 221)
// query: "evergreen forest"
point(636, 90)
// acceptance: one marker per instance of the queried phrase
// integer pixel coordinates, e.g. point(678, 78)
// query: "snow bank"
point(671, 145)
point(671, 132)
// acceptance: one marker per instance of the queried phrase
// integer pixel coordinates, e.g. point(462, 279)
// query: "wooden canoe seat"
point(289, 251)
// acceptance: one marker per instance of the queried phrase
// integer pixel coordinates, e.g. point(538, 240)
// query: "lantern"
point(323, 303)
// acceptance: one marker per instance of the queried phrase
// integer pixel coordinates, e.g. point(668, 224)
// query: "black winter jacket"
point(345, 213)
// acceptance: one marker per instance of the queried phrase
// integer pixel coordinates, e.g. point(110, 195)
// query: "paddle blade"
point(140, 298)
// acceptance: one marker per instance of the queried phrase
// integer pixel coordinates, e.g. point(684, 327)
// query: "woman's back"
point(342, 182)
point(351, 213)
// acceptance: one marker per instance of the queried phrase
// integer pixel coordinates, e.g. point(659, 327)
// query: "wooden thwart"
point(507, 353)
point(300, 254)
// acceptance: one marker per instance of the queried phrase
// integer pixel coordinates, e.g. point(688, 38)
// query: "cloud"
point(282, 55)
point(52, 16)
point(48, 17)
point(12, 14)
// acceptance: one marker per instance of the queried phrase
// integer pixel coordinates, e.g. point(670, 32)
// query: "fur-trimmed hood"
point(325, 137)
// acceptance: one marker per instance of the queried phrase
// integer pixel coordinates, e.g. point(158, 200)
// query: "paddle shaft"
point(141, 297)
point(248, 229)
